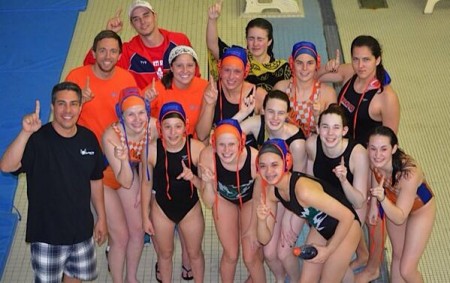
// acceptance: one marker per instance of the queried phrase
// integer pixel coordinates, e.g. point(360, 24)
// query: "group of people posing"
point(266, 144)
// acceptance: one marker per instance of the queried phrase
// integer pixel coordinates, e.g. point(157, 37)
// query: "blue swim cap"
point(172, 107)
point(232, 122)
point(304, 47)
point(236, 51)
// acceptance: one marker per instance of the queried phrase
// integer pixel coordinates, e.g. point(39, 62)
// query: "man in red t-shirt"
point(146, 54)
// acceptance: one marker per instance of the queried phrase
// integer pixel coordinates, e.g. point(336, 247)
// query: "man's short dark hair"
point(107, 34)
point(66, 86)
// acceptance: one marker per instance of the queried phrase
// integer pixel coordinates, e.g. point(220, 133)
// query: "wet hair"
point(265, 25)
point(334, 108)
point(167, 80)
point(172, 110)
point(280, 148)
point(401, 162)
point(374, 46)
point(277, 94)
point(66, 86)
point(107, 34)
point(173, 115)
point(270, 148)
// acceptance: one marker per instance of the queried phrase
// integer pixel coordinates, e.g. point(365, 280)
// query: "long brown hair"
point(401, 162)
point(375, 47)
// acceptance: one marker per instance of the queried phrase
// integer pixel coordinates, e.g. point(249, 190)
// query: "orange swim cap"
point(233, 61)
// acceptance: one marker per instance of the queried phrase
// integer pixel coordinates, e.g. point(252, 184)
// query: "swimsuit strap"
point(373, 84)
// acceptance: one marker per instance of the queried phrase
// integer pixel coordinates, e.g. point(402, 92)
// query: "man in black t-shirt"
point(64, 167)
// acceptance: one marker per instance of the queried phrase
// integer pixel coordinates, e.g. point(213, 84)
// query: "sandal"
point(185, 273)
point(106, 254)
point(157, 273)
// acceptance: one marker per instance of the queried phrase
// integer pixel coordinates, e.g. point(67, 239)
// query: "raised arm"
point(212, 35)
point(335, 72)
point(11, 159)
point(266, 209)
point(259, 99)
point(208, 188)
point(251, 125)
point(246, 107)
point(115, 23)
point(355, 192)
point(203, 127)
point(398, 212)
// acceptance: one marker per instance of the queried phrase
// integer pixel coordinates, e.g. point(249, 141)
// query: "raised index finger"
point(212, 83)
point(381, 182)
point(262, 199)
point(37, 110)
point(338, 56)
point(153, 83)
point(118, 12)
point(88, 82)
point(342, 161)
point(219, 5)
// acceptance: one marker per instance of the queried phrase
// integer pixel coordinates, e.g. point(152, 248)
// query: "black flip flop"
point(157, 273)
point(187, 277)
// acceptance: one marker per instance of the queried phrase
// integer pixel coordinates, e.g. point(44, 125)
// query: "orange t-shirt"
point(98, 113)
point(190, 99)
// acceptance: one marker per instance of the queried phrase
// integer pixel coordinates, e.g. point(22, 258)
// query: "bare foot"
point(366, 276)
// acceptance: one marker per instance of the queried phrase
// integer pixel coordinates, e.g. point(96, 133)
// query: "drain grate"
point(372, 4)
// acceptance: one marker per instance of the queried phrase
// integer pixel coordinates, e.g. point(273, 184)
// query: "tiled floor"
point(416, 55)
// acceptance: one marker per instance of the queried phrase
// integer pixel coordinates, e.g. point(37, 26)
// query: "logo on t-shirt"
point(141, 65)
point(86, 152)
point(348, 105)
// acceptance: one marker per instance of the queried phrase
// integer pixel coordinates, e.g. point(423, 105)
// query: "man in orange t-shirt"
point(101, 83)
